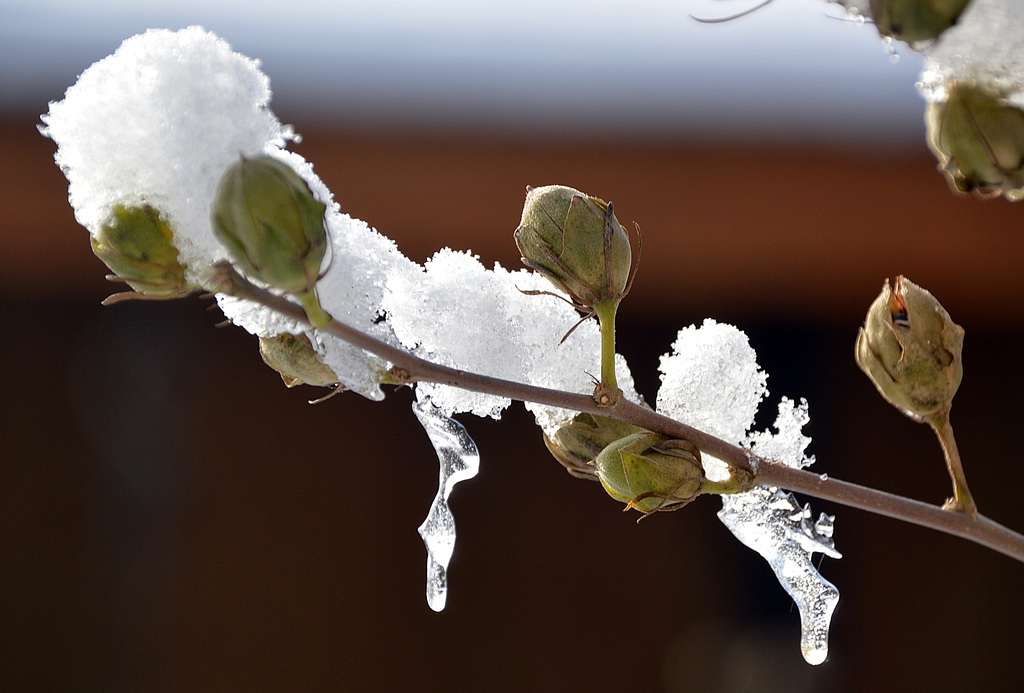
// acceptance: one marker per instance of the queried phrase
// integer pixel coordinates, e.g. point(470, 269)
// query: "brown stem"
point(976, 528)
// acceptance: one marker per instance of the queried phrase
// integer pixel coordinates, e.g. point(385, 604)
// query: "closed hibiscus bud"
point(651, 472)
point(273, 226)
point(577, 444)
point(910, 349)
point(978, 138)
point(576, 242)
point(138, 247)
point(295, 359)
point(915, 20)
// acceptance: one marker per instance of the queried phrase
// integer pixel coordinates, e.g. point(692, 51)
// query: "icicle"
point(459, 459)
point(772, 523)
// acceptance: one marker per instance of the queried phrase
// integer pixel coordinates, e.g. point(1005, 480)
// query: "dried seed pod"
point(910, 349)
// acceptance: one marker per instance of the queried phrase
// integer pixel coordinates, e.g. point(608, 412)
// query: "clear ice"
point(459, 459)
point(773, 524)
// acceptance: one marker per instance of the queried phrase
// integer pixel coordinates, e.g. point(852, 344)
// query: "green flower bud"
point(273, 226)
point(577, 444)
point(294, 358)
point(138, 246)
point(651, 472)
point(979, 140)
point(910, 348)
point(915, 20)
point(576, 242)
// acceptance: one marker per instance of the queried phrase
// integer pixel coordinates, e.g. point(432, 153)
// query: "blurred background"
point(172, 518)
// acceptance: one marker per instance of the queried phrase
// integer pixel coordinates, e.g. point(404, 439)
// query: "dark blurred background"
point(172, 518)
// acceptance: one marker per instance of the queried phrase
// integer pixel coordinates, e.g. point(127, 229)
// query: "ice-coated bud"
point(273, 226)
point(576, 242)
point(138, 246)
point(978, 138)
point(910, 348)
point(294, 358)
point(577, 444)
point(651, 472)
point(915, 20)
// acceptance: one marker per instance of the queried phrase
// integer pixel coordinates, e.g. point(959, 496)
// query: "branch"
point(978, 529)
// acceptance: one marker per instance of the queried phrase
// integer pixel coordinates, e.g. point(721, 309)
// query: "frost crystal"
point(711, 381)
point(459, 459)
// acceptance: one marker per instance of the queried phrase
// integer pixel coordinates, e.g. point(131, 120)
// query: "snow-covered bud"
point(138, 246)
point(274, 228)
point(294, 358)
point(915, 20)
point(577, 444)
point(651, 472)
point(978, 138)
point(910, 348)
point(576, 242)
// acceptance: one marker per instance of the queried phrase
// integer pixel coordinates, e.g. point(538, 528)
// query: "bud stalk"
point(962, 500)
point(606, 319)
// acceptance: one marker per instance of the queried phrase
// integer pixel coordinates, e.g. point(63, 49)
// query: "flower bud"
point(294, 358)
point(577, 444)
point(273, 226)
point(576, 242)
point(979, 140)
point(651, 472)
point(910, 348)
point(915, 20)
point(137, 245)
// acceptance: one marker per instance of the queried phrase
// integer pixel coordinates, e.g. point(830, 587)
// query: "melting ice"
point(459, 459)
point(771, 522)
